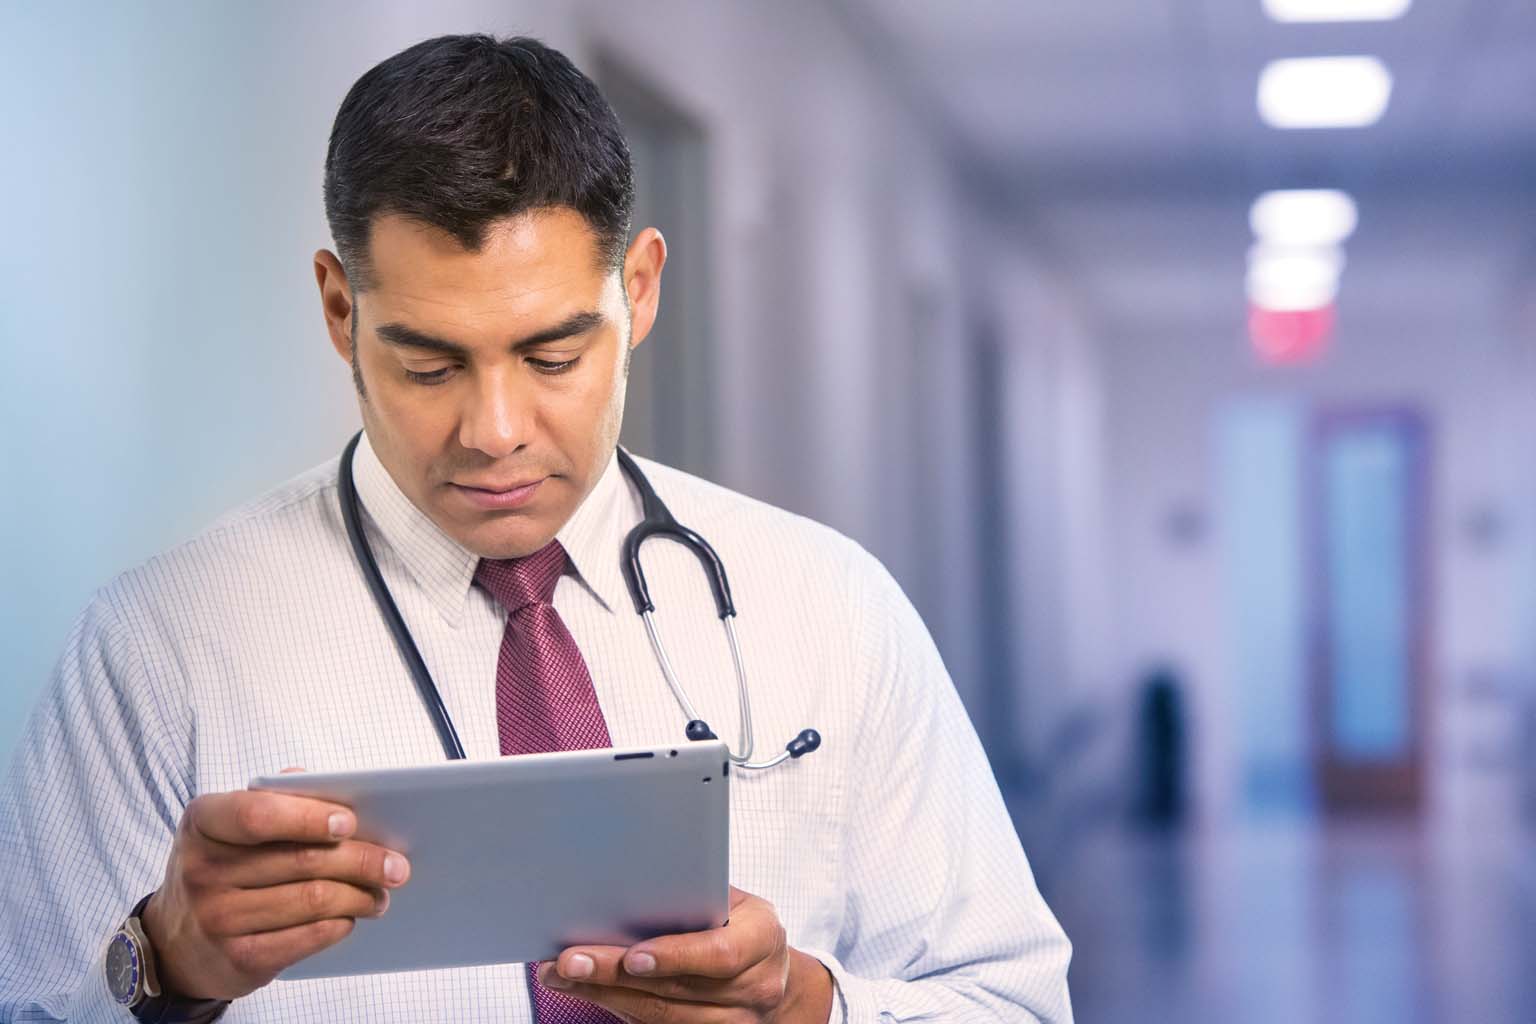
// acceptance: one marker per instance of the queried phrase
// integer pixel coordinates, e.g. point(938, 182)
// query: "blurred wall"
point(169, 359)
point(1053, 470)
point(159, 321)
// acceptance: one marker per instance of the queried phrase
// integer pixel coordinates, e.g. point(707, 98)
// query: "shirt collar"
point(445, 569)
point(594, 536)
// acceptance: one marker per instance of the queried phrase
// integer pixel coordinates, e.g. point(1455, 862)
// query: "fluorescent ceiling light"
point(1293, 280)
point(1324, 92)
point(1336, 10)
point(1298, 218)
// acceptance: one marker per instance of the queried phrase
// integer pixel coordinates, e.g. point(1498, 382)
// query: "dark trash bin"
point(1161, 762)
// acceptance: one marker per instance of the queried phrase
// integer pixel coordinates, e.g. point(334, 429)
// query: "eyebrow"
point(576, 323)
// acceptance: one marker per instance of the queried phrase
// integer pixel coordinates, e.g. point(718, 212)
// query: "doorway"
point(1324, 517)
point(1369, 594)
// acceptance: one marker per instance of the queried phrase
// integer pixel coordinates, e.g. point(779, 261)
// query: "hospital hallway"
point(1274, 923)
point(1176, 357)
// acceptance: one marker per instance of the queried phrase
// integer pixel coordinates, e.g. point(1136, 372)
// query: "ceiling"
point(1122, 136)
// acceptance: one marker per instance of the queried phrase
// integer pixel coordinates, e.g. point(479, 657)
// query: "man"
point(487, 296)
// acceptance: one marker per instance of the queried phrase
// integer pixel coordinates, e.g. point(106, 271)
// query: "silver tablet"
point(515, 859)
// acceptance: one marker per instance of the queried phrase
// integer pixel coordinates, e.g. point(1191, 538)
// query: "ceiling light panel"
point(1299, 218)
point(1336, 10)
point(1324, 92)
point(1290, 280)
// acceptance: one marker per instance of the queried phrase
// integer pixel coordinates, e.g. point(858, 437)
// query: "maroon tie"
point(544, 702)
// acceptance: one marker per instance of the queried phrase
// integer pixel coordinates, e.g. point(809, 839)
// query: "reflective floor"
point(1300, 922)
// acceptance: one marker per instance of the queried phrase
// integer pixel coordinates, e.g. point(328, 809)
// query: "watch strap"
point(168, 1007)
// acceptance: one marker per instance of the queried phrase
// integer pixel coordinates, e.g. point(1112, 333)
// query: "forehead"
point(528, 265)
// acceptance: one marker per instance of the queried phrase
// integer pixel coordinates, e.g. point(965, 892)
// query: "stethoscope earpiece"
point(807, 741)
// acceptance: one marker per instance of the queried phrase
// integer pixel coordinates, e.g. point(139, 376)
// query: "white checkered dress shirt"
point(887, 853)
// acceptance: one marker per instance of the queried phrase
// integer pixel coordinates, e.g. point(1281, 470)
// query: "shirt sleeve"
point(943, 920)
point(88, 811)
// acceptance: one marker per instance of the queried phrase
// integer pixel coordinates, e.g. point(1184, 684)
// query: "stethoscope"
point(657, 520)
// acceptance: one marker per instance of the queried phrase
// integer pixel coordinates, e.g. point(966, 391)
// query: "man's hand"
point(257, 881)
point(744, 971)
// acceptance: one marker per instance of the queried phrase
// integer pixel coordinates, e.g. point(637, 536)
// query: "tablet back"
point(518, 858)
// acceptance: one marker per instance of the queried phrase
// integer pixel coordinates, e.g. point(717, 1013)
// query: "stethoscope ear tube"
point(658, 521)
point(634, 572)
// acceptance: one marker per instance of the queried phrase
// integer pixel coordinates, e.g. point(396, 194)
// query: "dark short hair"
point(462, 131)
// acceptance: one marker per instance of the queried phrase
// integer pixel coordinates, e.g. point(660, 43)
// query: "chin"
point(507, 540)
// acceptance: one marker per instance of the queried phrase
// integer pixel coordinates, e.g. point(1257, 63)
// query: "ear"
point(643, 261)
point(335, 302)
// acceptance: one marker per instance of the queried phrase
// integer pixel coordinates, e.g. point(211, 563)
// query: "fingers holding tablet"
point(256, 881)
point(349, 860)
point(746, 967)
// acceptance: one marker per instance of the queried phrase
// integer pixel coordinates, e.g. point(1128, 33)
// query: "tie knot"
point(519, 582)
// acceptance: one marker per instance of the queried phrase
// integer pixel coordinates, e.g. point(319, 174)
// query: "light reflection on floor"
point(1349, 922)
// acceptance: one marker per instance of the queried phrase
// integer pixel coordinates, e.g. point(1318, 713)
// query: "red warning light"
point(1290, 337)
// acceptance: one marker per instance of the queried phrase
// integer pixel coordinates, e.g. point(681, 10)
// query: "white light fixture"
point(1324, 92)
point(1286, 280)
point(1336, 10)
point(1298, 218)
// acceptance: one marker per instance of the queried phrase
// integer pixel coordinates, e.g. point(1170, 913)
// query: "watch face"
point(122, 968)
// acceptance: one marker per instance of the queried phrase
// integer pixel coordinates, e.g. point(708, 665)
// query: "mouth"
point(493, 495)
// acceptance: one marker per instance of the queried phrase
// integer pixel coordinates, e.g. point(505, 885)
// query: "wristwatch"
point(131, 979)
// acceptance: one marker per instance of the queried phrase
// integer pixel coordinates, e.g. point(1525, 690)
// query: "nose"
point(500, 416)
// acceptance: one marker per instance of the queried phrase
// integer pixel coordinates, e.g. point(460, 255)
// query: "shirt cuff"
point(92, 1002)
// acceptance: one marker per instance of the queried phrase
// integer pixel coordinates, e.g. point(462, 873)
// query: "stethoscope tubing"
point(430, 696)
point(657, 521)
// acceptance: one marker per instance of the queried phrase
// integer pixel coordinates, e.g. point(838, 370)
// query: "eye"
point(552, 368)
point(429, 378)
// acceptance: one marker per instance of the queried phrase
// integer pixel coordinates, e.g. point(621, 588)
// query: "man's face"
point(492, 382)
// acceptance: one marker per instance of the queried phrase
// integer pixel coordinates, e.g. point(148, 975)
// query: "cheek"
point(613, 403)
point(584, 420)
point(422, 418)
point(597, 396)
point(420, 428)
